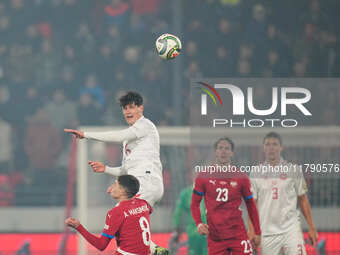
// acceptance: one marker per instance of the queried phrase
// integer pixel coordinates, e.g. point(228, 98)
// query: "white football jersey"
point(141, 156)
point(277, 198)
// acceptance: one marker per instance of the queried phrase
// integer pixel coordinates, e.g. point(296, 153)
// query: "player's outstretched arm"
point(112, 136)
point(99, 242)
point(99, 167)
point(77, 133)
point(307, 212)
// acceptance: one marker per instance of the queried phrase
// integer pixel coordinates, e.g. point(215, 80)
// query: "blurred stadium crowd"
point(63, 63)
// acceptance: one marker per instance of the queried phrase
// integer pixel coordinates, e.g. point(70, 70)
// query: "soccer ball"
point(168, 46)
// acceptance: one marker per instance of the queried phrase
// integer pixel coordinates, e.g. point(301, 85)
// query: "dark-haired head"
point(225, 139)
point(130, 184)
point(131, 97)
point(273, 135)
point(224, 151)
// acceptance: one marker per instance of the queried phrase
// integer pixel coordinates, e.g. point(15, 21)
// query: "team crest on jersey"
point(106, 226)
point(212, 182)
point(233, 184)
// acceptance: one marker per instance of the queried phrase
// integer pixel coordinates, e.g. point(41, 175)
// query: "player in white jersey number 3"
point(277, 194)
point(140, 152)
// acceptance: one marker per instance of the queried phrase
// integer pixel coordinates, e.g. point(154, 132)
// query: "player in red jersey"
point(223, 192)
point(128, 221)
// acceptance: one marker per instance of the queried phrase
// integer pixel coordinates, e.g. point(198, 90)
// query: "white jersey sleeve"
point(253, 183)
point(300, 183)
point(112, 136)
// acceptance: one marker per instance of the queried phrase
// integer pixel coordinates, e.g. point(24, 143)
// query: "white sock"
point(152, 247)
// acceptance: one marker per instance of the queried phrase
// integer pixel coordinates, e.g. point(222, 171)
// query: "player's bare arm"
point(307, 212)
point(78, 134)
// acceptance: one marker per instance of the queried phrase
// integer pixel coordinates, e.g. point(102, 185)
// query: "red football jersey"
point(129, 223)
point(223, 198)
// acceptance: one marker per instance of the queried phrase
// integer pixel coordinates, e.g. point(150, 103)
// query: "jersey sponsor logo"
point(233, 184)
point(125, 214)
point(212, 182)
point(106, 226)
point(138, 210)
point(223, 182)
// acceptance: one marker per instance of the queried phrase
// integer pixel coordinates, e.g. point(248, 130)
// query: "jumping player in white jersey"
point(141, 157)
point(277, 194)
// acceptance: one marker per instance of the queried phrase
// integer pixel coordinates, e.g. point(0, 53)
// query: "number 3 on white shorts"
point(144, 225)
point(247, 246)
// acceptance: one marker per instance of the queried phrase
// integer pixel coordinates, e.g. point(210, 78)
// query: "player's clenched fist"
point(203, 229)
point(72, 222)
point(97, 167)
point(77, 133)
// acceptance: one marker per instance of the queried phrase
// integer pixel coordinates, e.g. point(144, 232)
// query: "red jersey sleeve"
point(196, 198)
point(246, 188)
point(251, 206)
point(114, 219)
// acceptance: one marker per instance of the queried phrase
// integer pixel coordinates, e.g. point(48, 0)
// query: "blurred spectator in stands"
point(47, 66)
point(106, 60)
point(255, 34)
point(5, 103)
point(31, 102)
point(114, 38)
point(61, 111)
point(6, 190)
point(117, 12)
point(86, 44)
point(145, 7)
point(131, 65)
point(21, 62)
point(231, 9)
point(4, 40)
point(193, 71)
point(94, 90)
point(113, 115)
point(138, 31)
point(307, 49)
point(88, 111)
point(255, 31)
point(243, 68)
point(70, 71)
point(274, 66)
point(42, 141)
point(32, 37)
point(316, 16)
point(299, 69)
point(6, 145)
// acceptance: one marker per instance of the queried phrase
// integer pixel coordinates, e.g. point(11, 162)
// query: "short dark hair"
point(273, 135)
point(225, 139)
point(130, 184)
point(130, 98)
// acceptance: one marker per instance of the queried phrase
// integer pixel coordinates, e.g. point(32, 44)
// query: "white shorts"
point(289, 243)
point(151, 188)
